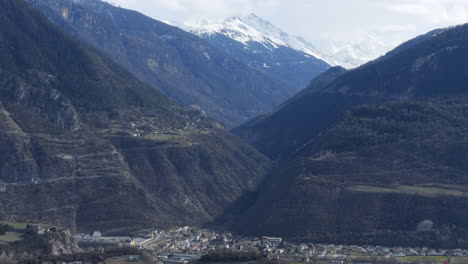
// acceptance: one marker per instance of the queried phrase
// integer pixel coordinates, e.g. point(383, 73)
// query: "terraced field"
point(431, 192)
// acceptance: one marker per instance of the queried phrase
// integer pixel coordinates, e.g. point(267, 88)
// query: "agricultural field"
point(434, 259)
point(11, 237)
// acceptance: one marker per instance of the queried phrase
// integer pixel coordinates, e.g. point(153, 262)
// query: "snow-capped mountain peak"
point(264, 47)
point(269, 29)
point(253, 28)
point(236, 29)
point(263, 26)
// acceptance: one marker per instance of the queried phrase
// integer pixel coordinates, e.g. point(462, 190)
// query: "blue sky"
point(396, 20)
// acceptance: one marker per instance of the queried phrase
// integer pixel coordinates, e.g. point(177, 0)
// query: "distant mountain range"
point(179, 64)
point(280, 132)
point(234, 76)
point(366, 155)
point(260, 38)
point(353, 53)
point(265, 47)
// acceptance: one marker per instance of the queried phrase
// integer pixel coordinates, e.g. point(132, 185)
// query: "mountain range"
point(182, 66)
point(255, 39)
point(367, 155)
point(86, 144)
point(112, 121)
point(265, 47)
point(280, 132)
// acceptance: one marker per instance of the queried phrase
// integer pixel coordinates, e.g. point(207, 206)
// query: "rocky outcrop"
point(16, 147)
point(43, 100)
point(62, 242)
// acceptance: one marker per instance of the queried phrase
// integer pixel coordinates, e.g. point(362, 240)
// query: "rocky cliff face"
point(80, 134)
point(62, 242)
point(122, 165)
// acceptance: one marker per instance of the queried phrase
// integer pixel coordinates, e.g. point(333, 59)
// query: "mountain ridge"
point(348, 54)
point(82, 137)
point(181, 65)
point(381, 165)
point(259, 44)
point(374, 82)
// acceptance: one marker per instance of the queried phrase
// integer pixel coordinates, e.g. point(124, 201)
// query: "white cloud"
point(399, 28)
point(319, 19)
point(412, 9)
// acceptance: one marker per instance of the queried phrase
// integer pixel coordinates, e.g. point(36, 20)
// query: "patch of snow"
point(293, 42)
point(65, 156)
point(234, 28)
point(169, 22)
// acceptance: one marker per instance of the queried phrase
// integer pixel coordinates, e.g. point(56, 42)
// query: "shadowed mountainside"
point(373, 178)
point(299, 119)
point(181, 65)
point(78, 131)
point(370, 174)
point(430, 65)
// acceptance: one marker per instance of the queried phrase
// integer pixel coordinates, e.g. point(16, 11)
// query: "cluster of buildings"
point(185, 244)
point(97, 241)
point(147, 126)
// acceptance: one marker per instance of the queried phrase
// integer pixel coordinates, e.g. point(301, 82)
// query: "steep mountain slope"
point(433, 67)
point(374, 178)
point(427, 65)
point(181, 65)
point(80, 134)
point(415, 41)
point(268, 29)
point(383, 169)
point(298, 120)
point(259, 44)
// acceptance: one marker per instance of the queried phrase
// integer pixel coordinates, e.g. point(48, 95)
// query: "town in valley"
point(187, 244)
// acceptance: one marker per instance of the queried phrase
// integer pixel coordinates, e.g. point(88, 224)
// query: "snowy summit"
point(265, 47)
point(253, 29)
